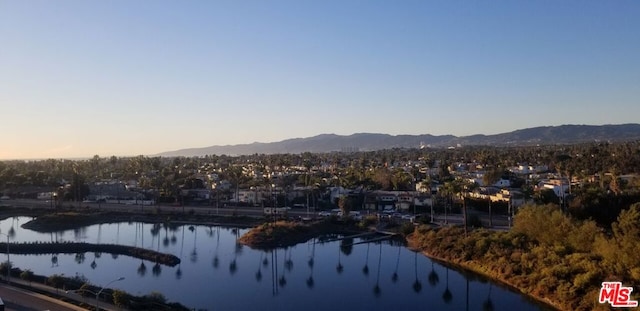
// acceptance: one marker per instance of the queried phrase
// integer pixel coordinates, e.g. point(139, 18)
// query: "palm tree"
point(156, 270)
point(288, 262)
point(365, 269)
point(142, 269)
point(233, 266)
point(165, 241)
point(310, 281)
point(487, 305)
point(433, 276)
point(194, 252)
point(377, 291)
point(417, 285)
point(339, 267)
point(283, 281)
point(394, 277)
point(216, 260)
point(447, 296)
point(259, 272)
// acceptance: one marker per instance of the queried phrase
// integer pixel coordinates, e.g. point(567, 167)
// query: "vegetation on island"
point(74, 248)
point(282, 233)
point(548, 255)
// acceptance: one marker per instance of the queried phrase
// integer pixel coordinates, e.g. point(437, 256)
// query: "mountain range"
point(544, 135)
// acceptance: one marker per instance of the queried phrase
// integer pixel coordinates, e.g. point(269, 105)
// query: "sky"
point(81, 78)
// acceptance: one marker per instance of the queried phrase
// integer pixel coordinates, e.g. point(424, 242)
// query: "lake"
point(216, 273)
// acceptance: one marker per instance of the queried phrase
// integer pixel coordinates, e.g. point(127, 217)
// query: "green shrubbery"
point(546, 254)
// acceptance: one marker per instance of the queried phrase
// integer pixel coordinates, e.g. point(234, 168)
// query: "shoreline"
point(312, 230)
point(471, 268)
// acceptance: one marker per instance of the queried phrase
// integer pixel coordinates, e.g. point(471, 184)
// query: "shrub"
point(407, 228)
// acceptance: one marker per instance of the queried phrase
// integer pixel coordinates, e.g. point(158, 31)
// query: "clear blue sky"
point(79, 78)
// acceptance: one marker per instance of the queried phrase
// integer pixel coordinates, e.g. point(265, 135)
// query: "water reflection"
point(394, 276)
point(377, 291)
point(447, 296)
point(487, 305)
point(365, 269)
point(259, 272)
point(142, 269)
point(433, 278)
point(310, 263)
point(417, 285)
point(298, 274)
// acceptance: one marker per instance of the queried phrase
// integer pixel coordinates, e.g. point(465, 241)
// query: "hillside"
point(564, 134)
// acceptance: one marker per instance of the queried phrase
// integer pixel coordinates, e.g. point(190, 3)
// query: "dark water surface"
point(216, 273)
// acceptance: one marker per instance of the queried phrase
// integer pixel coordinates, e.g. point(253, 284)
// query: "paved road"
point(499, 221)
point(16, 299)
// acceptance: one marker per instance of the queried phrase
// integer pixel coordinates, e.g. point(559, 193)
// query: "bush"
point(407, 228)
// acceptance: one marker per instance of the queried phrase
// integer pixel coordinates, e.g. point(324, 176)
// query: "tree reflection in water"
point(394, 277)
point(259, 272)
point(178, 273)
point(339, 267)
point(156, 270)
point(365, 269)
point(216, 260)
point(194, 252)
point(165, 241)
point(289, 262)
point(417, 285)
point(434, 279)
point(310, 263)
point(447, 296)
point(487, 305)
point(283, 281)
point(142, 269)
point(377, 291)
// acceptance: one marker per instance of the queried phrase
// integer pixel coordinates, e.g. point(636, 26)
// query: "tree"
point(27, 275)
point(492, 176)
point(121, 299)
point(5, 267)
point(621, 251)
point(56, 281)
point(344, 203)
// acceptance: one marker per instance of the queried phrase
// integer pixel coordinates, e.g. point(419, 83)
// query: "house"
point(513, 197)
point(423, 200)
point(404, 201)
point(560, 186)
point(380, 200)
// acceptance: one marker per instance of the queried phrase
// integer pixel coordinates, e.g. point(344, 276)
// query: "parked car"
point(408, 217)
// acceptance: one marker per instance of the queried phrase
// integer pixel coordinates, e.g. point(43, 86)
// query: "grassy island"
point(285, 233)
point(68, 220)
point(72, 248)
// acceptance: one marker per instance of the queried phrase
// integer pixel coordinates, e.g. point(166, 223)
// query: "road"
point(499, 221)
point(16, 299)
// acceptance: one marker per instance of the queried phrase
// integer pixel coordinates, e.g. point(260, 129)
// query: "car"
point(324, 214)
point(408, 217)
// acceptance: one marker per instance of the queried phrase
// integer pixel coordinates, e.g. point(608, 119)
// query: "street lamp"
point(103, 287)
point(8, 261)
